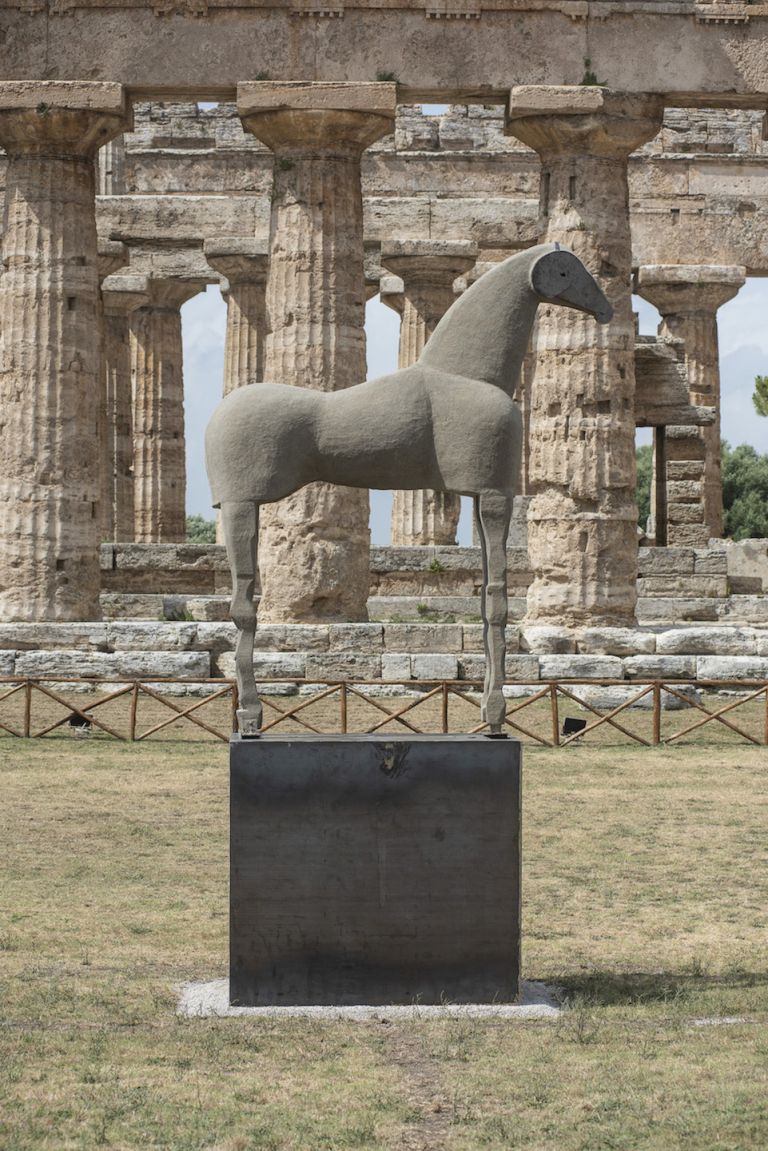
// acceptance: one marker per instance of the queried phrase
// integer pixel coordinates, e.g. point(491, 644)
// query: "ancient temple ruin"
point(148, 155)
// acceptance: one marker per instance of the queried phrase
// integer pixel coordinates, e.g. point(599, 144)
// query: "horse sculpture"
point(448, 423)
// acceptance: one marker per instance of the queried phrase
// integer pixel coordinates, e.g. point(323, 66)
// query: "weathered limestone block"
point(7, 662)
point(707, 641)
point(314, 546)
point(747, 559)
point(693, 585)
point(160, 473)
point(120, 605)
point(547, 639)
point(580, 667)
point(398, 608)
point(671, 610)
point(582, 522)
point(660, 667)
point(521, 667)
point(267, 664)
point(120, 295)
point(428, 271)
point(32, 636)
point(711, 562)
point(666, 561)
point(140, 636)
point(743, 609)
point(471, 667)
point(131, 664)
point(396, 665)
point(363, 637)
point(343, 665)
point(620, 641)
point(761, 643)
point(434, 666)
point(423, 637)
point(731, 667)
point(688, 298)
point(50, 453)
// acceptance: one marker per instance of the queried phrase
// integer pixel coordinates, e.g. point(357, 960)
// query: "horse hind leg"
point(494, 510)
point(240, 522)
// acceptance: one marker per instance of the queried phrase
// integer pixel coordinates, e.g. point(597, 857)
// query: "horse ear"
point(552, 273)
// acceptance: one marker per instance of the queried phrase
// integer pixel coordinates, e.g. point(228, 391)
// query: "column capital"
point(428, 261)
point(311, 117)
point(123, 294)
point(391, 290)
point(675, 289)
point(53, 117)
point(582, 119)
point(169, 294)
point(241, 260)
point(112, 255)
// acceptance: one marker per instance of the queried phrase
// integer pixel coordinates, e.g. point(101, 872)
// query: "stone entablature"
point(439, 49)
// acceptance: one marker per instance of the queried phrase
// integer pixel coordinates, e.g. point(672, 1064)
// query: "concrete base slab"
point(204, 1000)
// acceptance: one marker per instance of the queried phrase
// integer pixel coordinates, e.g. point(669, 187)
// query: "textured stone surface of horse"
point(448, 423)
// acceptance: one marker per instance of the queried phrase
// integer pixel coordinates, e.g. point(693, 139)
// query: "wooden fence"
point(138, 710)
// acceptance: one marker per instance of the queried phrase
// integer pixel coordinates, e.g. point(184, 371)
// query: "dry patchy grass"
point(645, 900)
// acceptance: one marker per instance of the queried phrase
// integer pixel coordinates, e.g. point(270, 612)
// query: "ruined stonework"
point(50, 380)
point(428, 272)
point(160, 473)
point(582, 521)
point(313, 546)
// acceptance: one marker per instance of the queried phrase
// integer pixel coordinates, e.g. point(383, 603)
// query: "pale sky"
point(743, 328)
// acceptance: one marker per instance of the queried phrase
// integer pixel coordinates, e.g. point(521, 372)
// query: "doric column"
point(112, 255)
point(688, 297)
point(582, 521)
point(244, 264)
point(49, 369)
point(159, 467)
point(427, 270)
point(120, 296)
point(314, 546)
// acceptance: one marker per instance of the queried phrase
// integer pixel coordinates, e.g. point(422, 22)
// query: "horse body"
point(449, 423)
point(417, 428)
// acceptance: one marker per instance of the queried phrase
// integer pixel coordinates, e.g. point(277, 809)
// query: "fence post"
point(343, 706)
point(555, 714)
point(27, 709)
point(444, 700)
point(134, 709)
point(656, 739)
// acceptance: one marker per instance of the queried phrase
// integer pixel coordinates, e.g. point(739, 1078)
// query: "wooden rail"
point(135, 710)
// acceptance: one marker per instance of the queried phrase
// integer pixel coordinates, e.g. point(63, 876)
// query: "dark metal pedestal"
point(368, 869)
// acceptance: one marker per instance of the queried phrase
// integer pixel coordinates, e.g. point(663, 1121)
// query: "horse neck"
point(485, 334)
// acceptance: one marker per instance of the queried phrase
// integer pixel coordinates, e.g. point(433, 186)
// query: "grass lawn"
point(646, 900)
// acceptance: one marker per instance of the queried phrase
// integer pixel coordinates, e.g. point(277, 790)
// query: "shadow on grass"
point(610, 988)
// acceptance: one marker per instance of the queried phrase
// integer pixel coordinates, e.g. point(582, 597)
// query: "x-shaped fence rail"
point(426, 707)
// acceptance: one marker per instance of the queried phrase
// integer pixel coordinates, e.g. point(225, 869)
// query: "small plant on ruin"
point(589, 79)
point(436, 566)
point(386, 77)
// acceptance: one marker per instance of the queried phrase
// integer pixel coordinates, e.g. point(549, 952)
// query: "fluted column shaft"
point(688, 298)
point(582, 521)
point(314, 546)
point(159, 466)
point(49, 371)
point(428, 272)
point(120, 295)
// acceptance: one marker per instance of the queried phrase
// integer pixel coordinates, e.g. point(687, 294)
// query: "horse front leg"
point(240, 522)
point(494, 510)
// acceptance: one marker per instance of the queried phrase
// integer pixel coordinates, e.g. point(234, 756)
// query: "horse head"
point(559, 277)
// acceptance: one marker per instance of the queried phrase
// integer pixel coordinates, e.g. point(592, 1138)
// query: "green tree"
point(745, 492)
point(760, 395)
point(200, 530)
point(644, 476)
